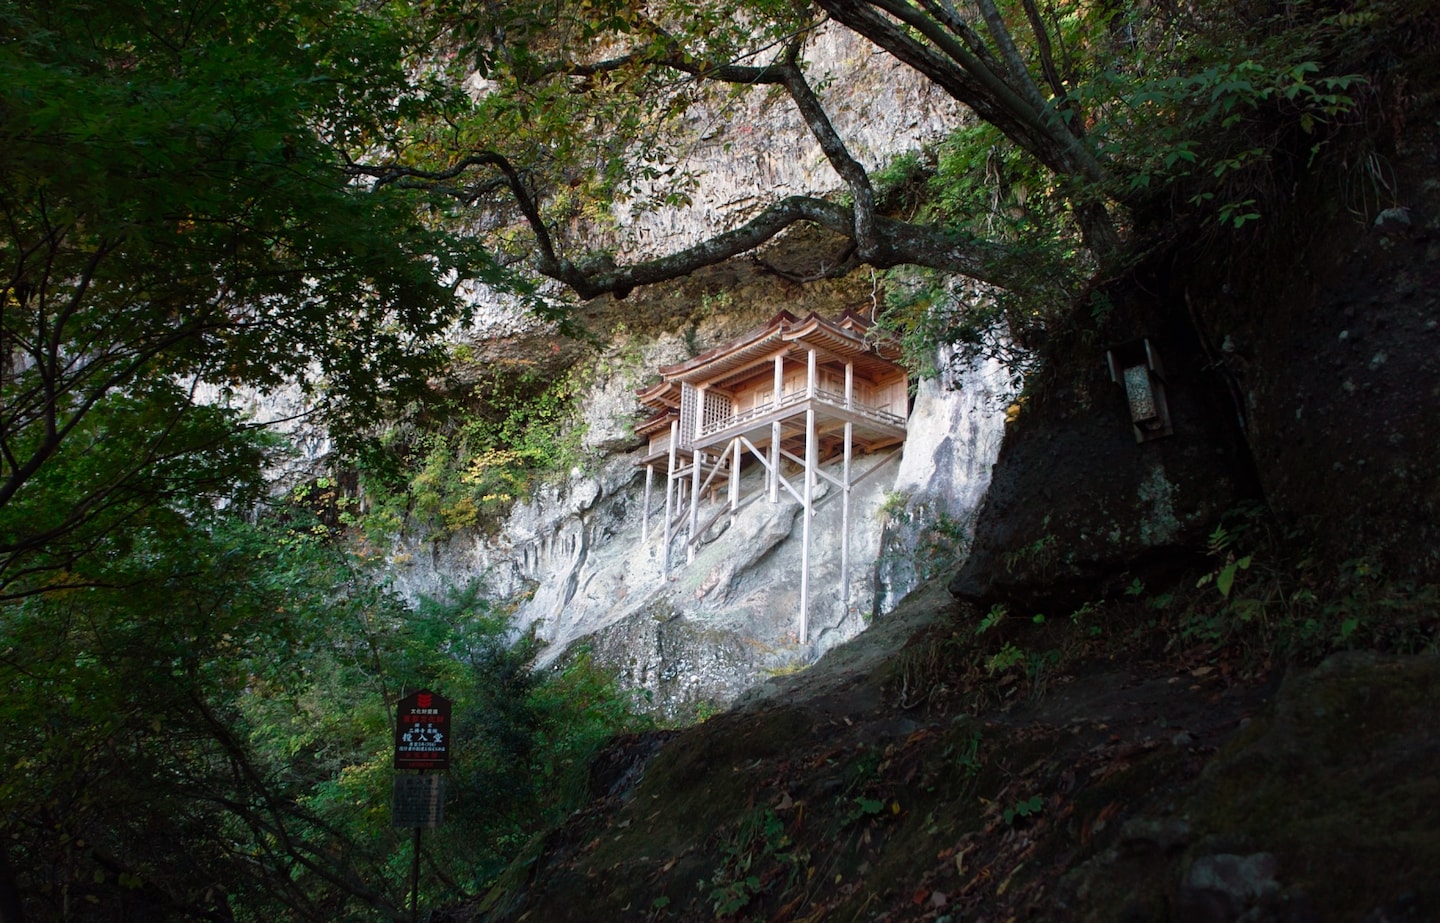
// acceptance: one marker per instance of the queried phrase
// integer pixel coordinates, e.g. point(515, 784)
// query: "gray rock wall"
point(750, 149)
point(956, 427)
point(695, 636)
point(571, 559)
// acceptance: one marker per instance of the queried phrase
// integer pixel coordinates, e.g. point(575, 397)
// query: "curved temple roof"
point(851, 338)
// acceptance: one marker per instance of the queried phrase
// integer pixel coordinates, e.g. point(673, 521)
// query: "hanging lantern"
point(1136, 367)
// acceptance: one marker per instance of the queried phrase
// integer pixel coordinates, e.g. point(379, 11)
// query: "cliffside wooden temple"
point(802, 391)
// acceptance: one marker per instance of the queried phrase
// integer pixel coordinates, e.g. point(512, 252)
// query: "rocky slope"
point(897, 780)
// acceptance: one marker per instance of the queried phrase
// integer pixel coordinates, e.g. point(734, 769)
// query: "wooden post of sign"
point(415, 879)
point(422, 745)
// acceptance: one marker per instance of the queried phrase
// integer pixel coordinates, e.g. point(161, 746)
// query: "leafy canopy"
point(1093, 125)
point(175, 216)
point(204, 731)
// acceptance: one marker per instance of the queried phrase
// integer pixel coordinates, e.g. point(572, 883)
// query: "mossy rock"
point(1341, 781)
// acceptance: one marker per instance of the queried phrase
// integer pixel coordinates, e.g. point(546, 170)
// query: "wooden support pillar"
point(776, 396)
point(645, 507)
point(774, 461)
point(697, 462)
point(734, 478)
point(670, 497)
point(809, 504)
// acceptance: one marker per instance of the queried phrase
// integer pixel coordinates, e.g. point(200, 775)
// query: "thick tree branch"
point(932, 38)
point(1016, 68)
point(1038, 130)
point(947, 15)
point(893, 242)
point(982, 86)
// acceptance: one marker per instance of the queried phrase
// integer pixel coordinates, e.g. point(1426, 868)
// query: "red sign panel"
point(422, 731)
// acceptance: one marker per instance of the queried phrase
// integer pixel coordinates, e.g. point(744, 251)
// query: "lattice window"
point(689, 410)
point(718, 410)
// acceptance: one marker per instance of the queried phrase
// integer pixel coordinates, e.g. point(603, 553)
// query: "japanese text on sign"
point(422, 731)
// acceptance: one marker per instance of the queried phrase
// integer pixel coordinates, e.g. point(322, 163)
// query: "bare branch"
point(523, 199)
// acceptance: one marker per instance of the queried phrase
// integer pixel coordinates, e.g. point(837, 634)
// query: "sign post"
point(422, 745)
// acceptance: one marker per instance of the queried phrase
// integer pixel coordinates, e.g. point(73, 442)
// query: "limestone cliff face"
point(698, 634)
point(956, 427)
point(573, 559)
point(752, 148)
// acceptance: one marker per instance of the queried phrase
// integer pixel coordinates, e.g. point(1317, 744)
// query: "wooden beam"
point(645, 508)
point(670, 488)
point(809, 503)
point(779, 478)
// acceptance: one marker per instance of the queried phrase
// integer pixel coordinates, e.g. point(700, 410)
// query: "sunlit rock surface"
point(572, 559)
point(700, 633)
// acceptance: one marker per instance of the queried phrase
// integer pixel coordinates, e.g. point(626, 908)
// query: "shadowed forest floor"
point(912, 776)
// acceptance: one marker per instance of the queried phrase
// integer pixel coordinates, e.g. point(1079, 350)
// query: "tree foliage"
point(197, 714)
point(462, 463)
point(1094, 124)
point(174, 215)
point(203, 731)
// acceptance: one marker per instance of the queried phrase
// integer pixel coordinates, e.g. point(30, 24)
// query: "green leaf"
point(1225, 578)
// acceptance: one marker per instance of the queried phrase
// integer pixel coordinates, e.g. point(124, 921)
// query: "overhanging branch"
point(893, 242)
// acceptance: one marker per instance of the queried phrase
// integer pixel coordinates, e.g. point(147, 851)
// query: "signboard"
point(418, 801)
point(422, 731)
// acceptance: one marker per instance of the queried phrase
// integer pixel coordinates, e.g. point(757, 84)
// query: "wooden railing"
point(834, 399)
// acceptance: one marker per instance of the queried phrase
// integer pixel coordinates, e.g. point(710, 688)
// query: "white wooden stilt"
point(810, 452)
point(697, 462)
point(775, 461)
point(775, 397)
point(734, 478)
point(845, 495)
point(645, 508)
point(670, 497)
point(695, 465)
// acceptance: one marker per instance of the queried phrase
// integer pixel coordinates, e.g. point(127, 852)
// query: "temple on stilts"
point(789, 396)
